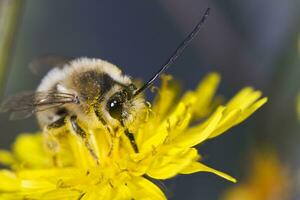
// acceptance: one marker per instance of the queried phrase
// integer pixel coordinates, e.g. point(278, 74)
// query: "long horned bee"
point(86, 92)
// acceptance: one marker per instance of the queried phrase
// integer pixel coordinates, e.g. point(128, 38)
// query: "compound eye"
point(115, 108)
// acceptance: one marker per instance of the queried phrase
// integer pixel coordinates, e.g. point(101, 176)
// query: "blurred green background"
point(252, 43)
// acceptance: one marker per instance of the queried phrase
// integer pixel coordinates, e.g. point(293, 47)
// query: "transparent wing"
point(25, 104)
point(42, 64)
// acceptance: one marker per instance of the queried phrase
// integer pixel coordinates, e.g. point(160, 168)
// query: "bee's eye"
point(115, 108)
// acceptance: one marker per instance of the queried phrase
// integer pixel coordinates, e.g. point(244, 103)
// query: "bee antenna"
point(178, 51)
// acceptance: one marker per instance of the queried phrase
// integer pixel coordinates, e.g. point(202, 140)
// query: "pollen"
point(166, 138)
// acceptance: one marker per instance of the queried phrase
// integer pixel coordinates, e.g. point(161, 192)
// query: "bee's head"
point(117, 103)
point(121, 105)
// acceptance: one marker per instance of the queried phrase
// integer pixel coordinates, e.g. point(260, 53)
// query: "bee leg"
point(108, 128)
point(52, 145)
point(84, 136)
point(131, 138)
point(111, 144)
point(51, 138)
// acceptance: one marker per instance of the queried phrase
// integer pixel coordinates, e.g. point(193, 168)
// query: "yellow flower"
point(267, 179)
point(166, 141)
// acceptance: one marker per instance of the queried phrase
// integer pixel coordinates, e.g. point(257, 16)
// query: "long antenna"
point(176, 53)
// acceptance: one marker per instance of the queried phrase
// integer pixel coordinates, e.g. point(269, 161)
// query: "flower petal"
point(205, 93)
point(243, 99)
point(175, 121)
point(65, 194)
point(7, 158)
point(166, 166)
point(9, 181)
point(165, 98)
point(105, 192)
point(29, 151)
point(238, 109)
point(144, 189)
point(198, 134)
point(199, 167)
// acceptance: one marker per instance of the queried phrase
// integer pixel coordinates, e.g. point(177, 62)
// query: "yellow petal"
point(123, 192)
point(236, 116)
point(227, 121)
point(11, 196)
point(9, 181)
point(146, 190)
point(6, 158)
point(243, 99)
point(82, 157)
point(164, 100)
point(167, 166)
point(29, 150)
point(104, 192)
point(199, 167)
point(64, 194)
point(198, 134)
point(176, 120)
point(205, 93)
point(249, 111)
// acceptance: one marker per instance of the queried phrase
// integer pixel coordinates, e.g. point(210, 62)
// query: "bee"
point(87, 92)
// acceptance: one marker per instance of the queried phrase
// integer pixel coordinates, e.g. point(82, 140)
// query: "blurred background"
point(252, 43)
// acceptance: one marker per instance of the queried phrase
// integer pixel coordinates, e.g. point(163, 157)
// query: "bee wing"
point(25, 104)
point(43, 64)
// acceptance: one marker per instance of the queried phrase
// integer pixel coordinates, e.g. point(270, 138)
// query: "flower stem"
point(10, 11)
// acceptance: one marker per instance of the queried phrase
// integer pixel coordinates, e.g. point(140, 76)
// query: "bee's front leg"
point(52, 133)
point(84, 136)
point(132, 141)
point(131, 138)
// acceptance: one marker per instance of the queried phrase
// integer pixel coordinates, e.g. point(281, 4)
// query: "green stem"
point(10, 11)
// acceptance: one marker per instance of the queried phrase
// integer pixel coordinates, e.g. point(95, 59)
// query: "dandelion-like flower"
point(166, 139)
